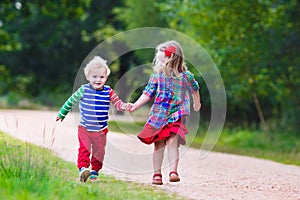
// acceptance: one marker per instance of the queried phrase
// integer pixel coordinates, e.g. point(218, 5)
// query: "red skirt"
point(150, 134)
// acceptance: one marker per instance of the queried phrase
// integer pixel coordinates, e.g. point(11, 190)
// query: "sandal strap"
point(154, 175)
point(173, 172)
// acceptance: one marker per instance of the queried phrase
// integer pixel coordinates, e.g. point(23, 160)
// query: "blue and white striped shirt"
point(94, 106)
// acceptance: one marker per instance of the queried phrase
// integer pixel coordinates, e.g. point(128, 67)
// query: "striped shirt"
point(94, 106)
point(171, 97)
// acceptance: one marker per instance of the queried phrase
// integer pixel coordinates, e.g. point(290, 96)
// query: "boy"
point(94, 102)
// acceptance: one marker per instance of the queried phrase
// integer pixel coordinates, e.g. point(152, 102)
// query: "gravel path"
point(217, 176)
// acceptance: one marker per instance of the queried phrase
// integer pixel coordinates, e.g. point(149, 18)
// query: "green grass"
point(31, 172)
point(279, 147)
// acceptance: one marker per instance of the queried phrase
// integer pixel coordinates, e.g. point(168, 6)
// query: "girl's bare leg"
point(158, 156)
point(173, 152)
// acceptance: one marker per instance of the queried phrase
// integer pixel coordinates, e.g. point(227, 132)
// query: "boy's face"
point(97, 78)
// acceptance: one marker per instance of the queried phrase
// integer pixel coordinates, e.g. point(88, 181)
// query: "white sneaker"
point(84, 174)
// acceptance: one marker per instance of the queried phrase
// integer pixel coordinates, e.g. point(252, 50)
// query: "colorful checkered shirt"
point(171, 97)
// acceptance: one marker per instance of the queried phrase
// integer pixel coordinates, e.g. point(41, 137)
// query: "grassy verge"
point(31, 172)
point(279, 147)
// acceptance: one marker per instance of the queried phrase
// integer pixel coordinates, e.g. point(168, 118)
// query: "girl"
point(169, 86)
point(95, 98)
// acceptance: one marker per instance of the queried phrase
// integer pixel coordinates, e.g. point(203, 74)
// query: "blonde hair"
point(96, 62)
point(174, 65)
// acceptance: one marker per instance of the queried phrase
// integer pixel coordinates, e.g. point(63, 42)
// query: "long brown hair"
point(175, 63)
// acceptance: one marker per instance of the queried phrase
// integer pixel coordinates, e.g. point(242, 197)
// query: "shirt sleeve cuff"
point(145, 92)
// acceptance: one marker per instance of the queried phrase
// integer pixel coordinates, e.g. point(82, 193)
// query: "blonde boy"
point(94, 102)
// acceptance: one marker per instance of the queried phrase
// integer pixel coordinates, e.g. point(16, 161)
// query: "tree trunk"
point(260, 112)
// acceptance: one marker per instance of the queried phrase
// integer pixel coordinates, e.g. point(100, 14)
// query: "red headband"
point(169, 50)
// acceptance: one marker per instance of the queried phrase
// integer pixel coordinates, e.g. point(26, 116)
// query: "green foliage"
point(5, 79)
point(43, 45)
point(255, 51)
point(282, 147)
point(48, 40)
point(13, 98)
point(23, 168)
point(246, 139)
point(55, 99)
point(136, 13)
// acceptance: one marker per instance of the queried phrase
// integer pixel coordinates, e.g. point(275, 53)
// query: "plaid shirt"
point(171, 97)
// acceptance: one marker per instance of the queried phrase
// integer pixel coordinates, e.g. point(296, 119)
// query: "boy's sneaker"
point(84, 174)
point(94, 176)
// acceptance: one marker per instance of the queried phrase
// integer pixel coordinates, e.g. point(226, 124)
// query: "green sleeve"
point(72, 101)
point(192, 81)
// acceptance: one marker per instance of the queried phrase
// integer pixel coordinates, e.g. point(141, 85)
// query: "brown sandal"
point(173, 177)
point(157, 179)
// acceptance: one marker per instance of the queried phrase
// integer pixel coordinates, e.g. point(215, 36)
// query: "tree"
point(255, 51)
point(45, 42)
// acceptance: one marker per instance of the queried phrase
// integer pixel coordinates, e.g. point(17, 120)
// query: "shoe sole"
point(84, 175)
point(94, 180)
point(157, 183)
point(174, 179)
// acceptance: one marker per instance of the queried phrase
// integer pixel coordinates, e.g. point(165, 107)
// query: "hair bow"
point(169, 50)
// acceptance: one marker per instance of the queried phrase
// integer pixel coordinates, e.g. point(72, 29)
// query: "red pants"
point(91, 143)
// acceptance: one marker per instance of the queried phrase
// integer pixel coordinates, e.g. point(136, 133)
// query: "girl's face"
point(97, 77)
point(160, 55)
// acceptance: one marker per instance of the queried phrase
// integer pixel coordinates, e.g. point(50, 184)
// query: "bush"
point(13, 98)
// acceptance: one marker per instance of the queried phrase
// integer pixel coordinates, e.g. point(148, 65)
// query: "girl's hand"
point(196, 100)
point(197, 106)
point(129, 106)
point(141, 101)
point(132, 107)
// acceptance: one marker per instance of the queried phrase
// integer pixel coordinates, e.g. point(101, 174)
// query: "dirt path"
point(217, 176)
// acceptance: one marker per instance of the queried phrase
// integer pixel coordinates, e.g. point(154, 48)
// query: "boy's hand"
point(125, 107)
point(58, 118)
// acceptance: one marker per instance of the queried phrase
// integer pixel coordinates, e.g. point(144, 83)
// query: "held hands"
point(129, 107)
point(124, 106)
